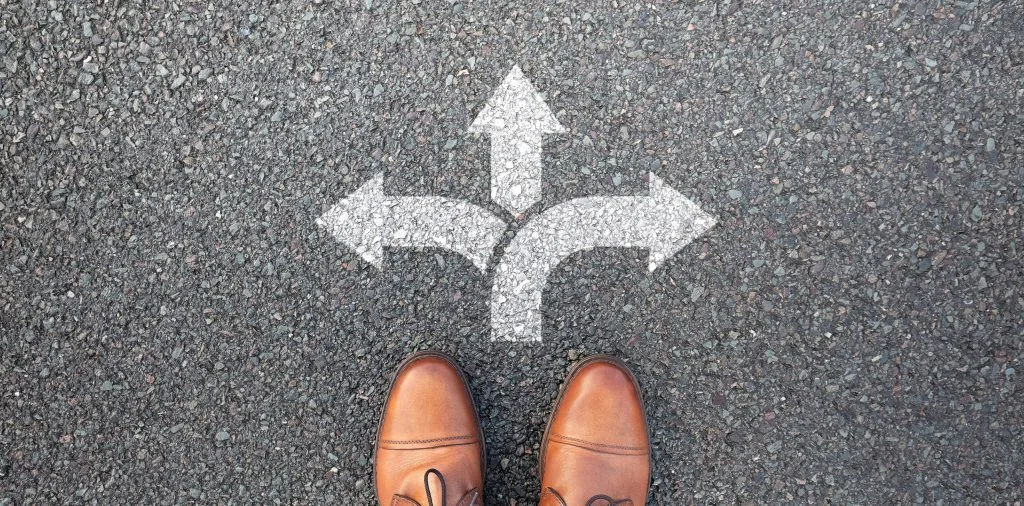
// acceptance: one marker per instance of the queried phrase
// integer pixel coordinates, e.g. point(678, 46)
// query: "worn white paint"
point(662, 222)
point(368, 221)
point(516, 118)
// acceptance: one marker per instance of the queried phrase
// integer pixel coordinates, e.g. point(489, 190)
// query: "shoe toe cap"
point(602, 407)
point(429, 405)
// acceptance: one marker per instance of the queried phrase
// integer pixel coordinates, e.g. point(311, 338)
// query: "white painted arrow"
point(368, 220)
point(516, 118)
point(662, 222)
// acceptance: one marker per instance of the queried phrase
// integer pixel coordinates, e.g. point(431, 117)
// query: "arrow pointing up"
point(662, 222)
point(516, 118)
point(368, 220)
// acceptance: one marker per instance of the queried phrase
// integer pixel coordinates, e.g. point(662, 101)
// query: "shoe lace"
point(426, 485)
point(597, 500)
point(608, 501)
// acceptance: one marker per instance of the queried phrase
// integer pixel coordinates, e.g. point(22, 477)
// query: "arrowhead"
point(357, 221)
point(681, 221)
point(514, 107)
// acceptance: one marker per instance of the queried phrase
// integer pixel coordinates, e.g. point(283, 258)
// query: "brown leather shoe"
point(595, 450)
point(430, 449)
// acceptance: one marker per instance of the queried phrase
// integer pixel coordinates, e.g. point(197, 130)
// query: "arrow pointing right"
point(662, 222)
point(516, 118)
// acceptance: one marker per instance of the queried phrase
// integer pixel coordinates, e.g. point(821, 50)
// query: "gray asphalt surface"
point(175, 328)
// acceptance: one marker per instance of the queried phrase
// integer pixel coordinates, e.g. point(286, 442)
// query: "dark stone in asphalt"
point(849, 332)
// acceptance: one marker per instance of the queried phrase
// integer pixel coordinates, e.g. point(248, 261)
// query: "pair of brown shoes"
point(430, 448)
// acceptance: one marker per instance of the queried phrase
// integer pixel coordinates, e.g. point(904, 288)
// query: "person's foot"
point(430, 449)
point(595, 450)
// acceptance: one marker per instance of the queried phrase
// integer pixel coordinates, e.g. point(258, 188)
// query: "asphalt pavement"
point(175, 327)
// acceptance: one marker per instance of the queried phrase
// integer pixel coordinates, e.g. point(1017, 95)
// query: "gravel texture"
point(176, 328)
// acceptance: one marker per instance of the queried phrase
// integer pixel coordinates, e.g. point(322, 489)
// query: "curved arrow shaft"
point(369, 223)
point(548, 239)
point(456, 225)
point(662, 222)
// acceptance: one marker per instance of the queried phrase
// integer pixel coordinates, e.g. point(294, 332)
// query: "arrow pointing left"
point(368, 221)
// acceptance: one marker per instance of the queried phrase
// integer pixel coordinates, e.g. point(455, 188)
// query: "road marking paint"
point(516, 118)
point(368, 221)
point(662, 222)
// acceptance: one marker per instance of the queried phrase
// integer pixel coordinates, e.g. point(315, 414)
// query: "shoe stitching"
point(422, 441)
point(584, 441)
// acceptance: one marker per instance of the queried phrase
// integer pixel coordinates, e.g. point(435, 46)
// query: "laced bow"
point(426, 486)
point(470, 499)
point(603, 500)
point(597, 500)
